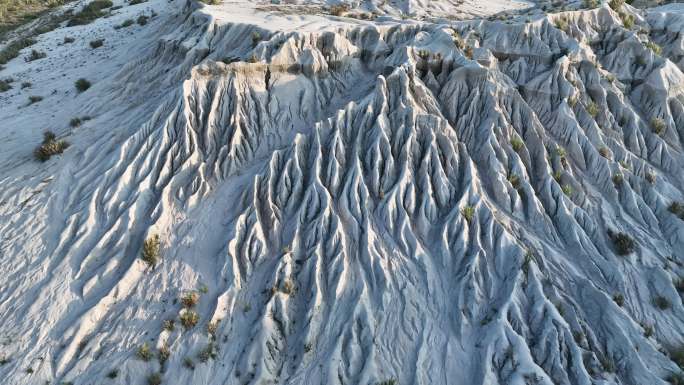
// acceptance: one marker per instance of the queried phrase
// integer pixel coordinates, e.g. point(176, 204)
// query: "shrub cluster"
point(624, 244)
point(12, 50)
point(50, 146)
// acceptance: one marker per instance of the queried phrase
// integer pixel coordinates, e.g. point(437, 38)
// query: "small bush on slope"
point(189, 300)
point(49, 147)
point(189, 319)
point(5, 85)
point(390, 381)
point(658, 126)
point(96, 43)
point(592, 109)
point(154, 379)
point(624, 244)
point(677, 355)
point(89, 13)
point(12, 50)
point(662, 303)
point(164, 354)
point(616, 4)
point(189, 363)
point(677, 208)
point(150, 251)
point(468, 213)
point(82, 84)
point(144, 352)
point(35, 55)
point(676, 379)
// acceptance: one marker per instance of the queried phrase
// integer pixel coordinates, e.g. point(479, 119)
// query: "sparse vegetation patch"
point(50, 146)
point(89, 13)
point(12, 50)
point(624, 244)
point(150, 251)
point(189, 319)
point(82, 84)
point(96, 43)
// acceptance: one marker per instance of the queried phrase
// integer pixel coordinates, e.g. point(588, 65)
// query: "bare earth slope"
point(350, 202)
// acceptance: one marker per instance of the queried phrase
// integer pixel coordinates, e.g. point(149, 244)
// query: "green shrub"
point(654, 47)
point(627, 20)
point(35, 55)
point(189, 300)
point(514, 180)
point(619, 299)
point(35, 99)
point(590, 4)
point(49, 147)
point(144, 352)
point(676, 378)
point(89, 13)
point(134, 2)
point(618, 178)
point(616, 4)
point(562, 24)
point(679, 285)
point(114, 373)
point(26, 85)
point(256, 38)
point(468, 213)
point(592, 109)
point(189, 319)
point(624, 244)
point(12, 50)
point(169, 325)
point(677, 355)
point(82, 84)
point(658, 126)
point(338, 10)
point(5, 85)
point(662, 303)
point(209, 352)
point(68, 40)
point(154, 379)
point(648, 330)
point(164, 354)
point(142, 19)
point(150, 251)
point(567, 189)
point(96, 43)
point(126, 23)
point(517, 143)
point(189, 363)
point(75, 122)
point(677, 209)
point(390, 381)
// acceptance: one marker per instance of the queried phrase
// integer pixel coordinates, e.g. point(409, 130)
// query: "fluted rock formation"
point(436, 204)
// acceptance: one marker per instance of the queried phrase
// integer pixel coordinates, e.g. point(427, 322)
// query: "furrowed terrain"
point(246, 193)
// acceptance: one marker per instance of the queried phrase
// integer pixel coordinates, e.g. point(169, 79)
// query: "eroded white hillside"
point(351, 201)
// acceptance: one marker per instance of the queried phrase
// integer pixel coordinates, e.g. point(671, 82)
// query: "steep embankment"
point(352, 204)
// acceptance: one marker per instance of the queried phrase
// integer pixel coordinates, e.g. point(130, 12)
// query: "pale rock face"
point(430, 203)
